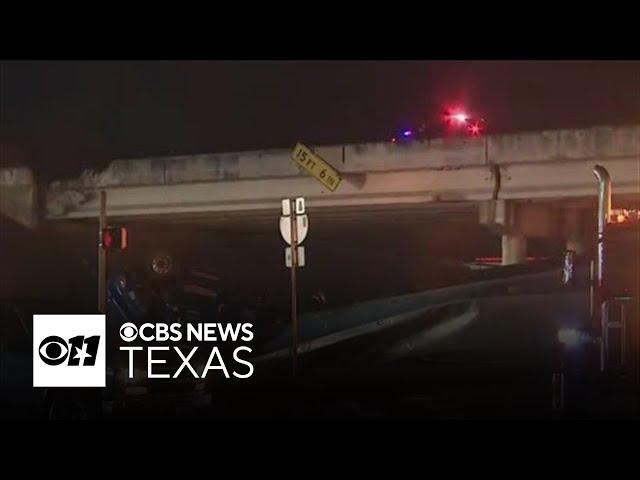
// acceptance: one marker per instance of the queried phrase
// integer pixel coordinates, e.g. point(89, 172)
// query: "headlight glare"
point(571, 337)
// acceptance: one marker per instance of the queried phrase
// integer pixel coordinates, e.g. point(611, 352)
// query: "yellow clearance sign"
point(316, 166)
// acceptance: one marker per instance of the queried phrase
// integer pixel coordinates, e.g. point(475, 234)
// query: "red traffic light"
point(107, 239)
point(114, 237)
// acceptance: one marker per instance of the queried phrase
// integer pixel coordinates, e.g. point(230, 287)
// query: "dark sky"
point(62, 117)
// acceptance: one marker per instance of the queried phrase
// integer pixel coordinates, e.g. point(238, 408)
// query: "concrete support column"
point(514, 249)
point(574, 230)
point(577, 245)
point(18, 196)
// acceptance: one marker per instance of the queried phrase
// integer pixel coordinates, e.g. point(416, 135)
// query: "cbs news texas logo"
point(69, 351)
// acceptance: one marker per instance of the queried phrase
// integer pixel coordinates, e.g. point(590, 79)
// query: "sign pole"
point(102, 253)
point(294, 226)
point(294, 306)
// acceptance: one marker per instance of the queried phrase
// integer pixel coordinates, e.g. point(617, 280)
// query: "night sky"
point(62, 117)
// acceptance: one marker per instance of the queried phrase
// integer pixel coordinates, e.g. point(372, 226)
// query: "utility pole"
point(102, 254)
point(294, 294)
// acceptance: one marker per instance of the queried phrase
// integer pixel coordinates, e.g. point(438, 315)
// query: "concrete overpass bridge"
point(522, 185)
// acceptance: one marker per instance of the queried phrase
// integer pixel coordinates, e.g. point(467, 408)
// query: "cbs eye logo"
point(69, 351)
point(77, 351)
point(128, 332)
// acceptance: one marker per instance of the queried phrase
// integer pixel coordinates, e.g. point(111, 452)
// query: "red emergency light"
point(460, 118)
point(475, 129)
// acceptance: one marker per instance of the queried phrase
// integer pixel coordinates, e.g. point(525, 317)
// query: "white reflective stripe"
point(205, 275)
point(197, 290)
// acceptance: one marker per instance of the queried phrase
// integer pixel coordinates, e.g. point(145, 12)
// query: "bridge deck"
point(532, 165)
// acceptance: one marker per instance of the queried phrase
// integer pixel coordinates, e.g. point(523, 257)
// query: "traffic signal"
point(114, 238)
